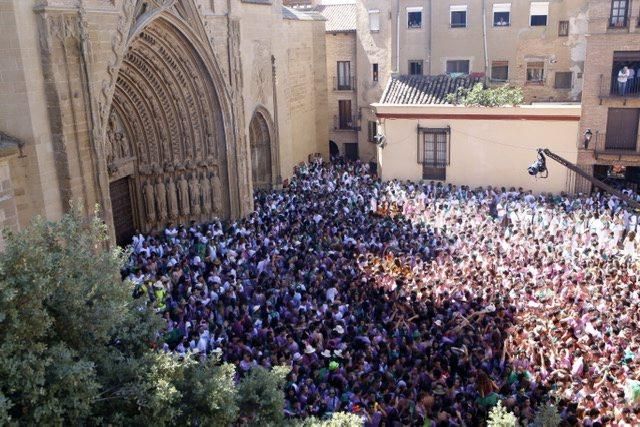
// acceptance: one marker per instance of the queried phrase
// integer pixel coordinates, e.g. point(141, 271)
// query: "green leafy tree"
point(261, 396)
point(478, 96)
point(66, 321)
point(500, 417)
point(75, 348)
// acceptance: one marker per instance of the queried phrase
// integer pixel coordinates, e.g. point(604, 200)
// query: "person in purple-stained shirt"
point(408, 314)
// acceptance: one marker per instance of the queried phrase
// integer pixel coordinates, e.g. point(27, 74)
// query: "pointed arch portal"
point(165, 134)
point(260, 138)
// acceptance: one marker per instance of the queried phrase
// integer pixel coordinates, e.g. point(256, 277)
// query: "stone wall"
point(8, 211)
point(60, 62)
point(306, 92)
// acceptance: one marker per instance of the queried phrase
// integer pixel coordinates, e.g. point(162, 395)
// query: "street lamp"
point(587, 138)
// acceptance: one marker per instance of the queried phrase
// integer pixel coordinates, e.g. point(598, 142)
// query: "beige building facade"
point(477, 146)
point(157, 110)
point(610, 111)
point(342, 85)
point(539, 46)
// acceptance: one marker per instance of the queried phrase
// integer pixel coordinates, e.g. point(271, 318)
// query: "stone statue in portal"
point(194, 194)
point(183, 196)
point(172, 199)
point(161, 199)
point(205, 188)
point(149, 201)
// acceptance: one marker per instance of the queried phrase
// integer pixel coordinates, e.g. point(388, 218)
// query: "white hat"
point(338, 353)
point(297, 356)
point(326, 353)
point(308, 349)
point(339, 329)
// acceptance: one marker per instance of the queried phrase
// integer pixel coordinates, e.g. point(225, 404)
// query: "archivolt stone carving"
point(166, 112)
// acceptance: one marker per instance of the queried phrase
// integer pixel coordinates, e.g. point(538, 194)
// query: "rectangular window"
point(345, 120)
point(433, 152)
point(460, 66)
point(501, 14)
point(374, 20)
point(563, 80)
point(535, 72)
point(500, 71)
point(344, 75)
point(415, 67)
point(619, 11)
point(375, 72)
point(458, 16)
point(622, 129)
point(372, 131)
point(414, 17)
point(563, 28)
point(538, 13)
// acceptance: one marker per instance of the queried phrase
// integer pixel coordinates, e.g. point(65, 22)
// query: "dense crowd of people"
point(411, 303)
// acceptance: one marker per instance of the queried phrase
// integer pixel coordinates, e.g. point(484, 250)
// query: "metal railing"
point(344, 84)
point(630, 89)
point(615, 144)
point(345, 123)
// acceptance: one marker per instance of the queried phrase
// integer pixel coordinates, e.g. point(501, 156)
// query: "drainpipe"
point(398, 36)
point(430, 34)
point(484, 39)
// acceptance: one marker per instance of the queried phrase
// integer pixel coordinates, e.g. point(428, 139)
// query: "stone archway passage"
point(166, 131)
point(260, 141)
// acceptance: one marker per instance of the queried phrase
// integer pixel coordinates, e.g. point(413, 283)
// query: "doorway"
point(122, 209)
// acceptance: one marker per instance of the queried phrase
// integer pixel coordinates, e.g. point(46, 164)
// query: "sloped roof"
point(341, 18)
point(423, 90)
point(301, 14)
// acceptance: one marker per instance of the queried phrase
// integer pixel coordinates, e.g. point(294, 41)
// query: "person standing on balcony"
point(623, 76)
point(631, 82)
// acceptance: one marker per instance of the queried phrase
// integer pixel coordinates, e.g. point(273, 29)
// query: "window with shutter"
point(563, 28)
point(458, 16)
point(500, 71)
point(539, 11)
point(374, 20)
point(501, 14)
point(619, 11)
point(535, 72)
point(563, 80)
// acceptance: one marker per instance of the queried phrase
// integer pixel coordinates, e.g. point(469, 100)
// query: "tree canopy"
point(479, 96)
point(75, 348)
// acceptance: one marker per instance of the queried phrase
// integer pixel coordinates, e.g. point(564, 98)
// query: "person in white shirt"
point(623, 77)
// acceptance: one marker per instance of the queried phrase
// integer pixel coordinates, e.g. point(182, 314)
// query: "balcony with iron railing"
point(614, 89)
point(344, 84)
point(345, 122)
point(615, 145)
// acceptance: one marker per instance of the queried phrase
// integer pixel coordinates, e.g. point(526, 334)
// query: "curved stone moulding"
point(167, 119)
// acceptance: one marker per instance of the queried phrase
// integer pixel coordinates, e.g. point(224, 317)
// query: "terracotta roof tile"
point(421, 90)
point(340, 17)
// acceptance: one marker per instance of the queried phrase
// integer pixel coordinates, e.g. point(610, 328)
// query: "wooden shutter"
point(622, 129)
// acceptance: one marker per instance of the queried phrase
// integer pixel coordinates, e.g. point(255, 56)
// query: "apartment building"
point(341, 42)
point(608, 136)
point(537, 45)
